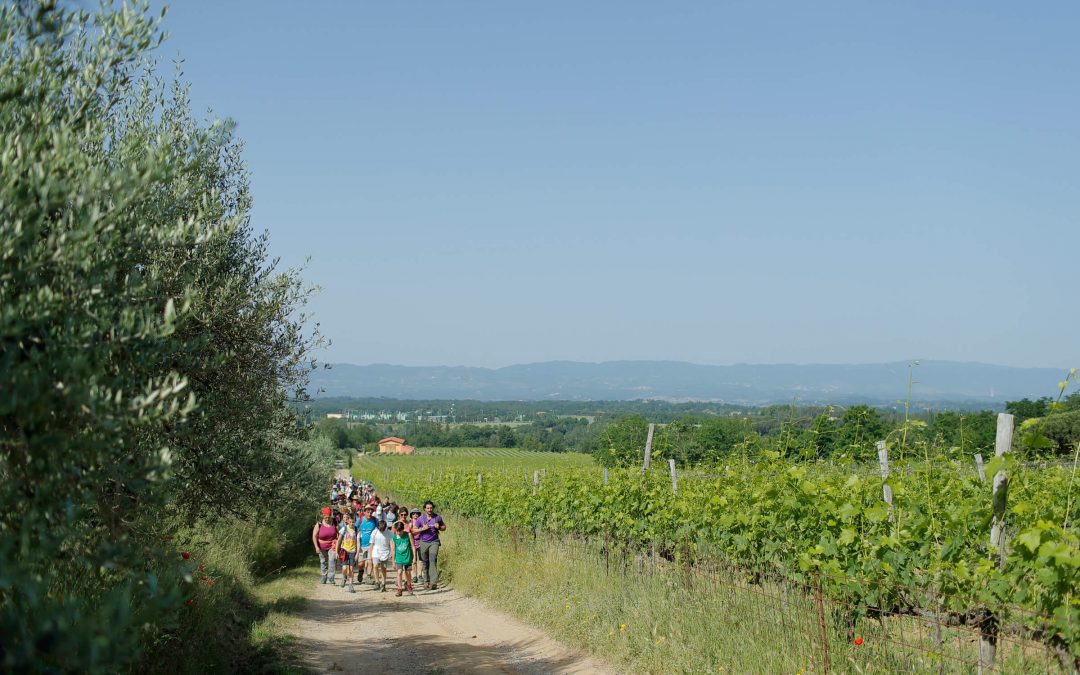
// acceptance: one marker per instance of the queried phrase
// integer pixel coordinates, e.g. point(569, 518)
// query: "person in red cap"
point(324, 536)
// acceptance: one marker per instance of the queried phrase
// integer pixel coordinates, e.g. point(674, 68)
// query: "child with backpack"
point(347, 543)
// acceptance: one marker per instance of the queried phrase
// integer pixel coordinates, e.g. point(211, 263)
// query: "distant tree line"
point(809, 432)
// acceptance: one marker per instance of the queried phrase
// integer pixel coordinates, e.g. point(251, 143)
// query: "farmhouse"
point(393, 444)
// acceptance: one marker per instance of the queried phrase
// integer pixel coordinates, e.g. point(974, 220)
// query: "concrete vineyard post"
point(1002, 445)
point(886, 489)
point(980, 467)
point(988, 631)
point(480, 479)
point(674, 481)
point(536, 481)
point(605, 475)
point(648, 447)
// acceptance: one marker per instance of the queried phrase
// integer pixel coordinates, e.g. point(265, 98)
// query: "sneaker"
point(398, 593)
point(415, 579)
point(383, 588)
point(352, 589)
point(324, 579)
point(332, 582)
point(408, 587)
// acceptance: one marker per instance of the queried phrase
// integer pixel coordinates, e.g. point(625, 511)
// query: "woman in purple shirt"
point(427, 532)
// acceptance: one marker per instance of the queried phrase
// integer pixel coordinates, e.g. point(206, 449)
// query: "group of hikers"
point(366, 535)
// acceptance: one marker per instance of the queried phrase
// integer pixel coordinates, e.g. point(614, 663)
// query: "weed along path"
point(431, 632)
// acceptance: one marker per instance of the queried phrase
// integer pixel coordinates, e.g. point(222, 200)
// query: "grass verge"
point(651, 616)
point(235, 620)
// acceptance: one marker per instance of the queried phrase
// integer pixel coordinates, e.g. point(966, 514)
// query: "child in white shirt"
point(381, 549)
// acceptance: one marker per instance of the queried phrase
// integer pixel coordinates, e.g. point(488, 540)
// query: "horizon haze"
point(748, 384)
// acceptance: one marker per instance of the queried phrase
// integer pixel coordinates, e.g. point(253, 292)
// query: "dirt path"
point(431, 632)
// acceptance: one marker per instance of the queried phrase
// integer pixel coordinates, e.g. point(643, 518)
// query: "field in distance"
point(485, 458)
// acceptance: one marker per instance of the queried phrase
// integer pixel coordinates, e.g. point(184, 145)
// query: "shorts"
point(365, 553)
point(403, 566)
point(381, 564)
point(350, 558)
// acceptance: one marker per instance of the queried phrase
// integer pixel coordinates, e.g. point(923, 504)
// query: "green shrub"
point(148, 347)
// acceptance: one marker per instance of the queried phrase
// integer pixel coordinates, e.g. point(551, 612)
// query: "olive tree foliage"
point(148, 346)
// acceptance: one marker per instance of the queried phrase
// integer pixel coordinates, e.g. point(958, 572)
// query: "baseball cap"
point(415, 511)
point(326, 510)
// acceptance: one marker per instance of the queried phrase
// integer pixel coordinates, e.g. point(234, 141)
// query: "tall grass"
point(246, 578)
point(650, 615)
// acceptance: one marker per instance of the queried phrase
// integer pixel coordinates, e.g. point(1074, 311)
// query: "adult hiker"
point(430, 525)
point(413, 527)
point(324, 536)
point(365, 528)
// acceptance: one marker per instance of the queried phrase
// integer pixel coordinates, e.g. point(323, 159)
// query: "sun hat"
point(415, 511)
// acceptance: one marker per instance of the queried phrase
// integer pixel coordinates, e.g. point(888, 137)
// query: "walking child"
point(347, 543)
point(381, 548)
point(403, 557)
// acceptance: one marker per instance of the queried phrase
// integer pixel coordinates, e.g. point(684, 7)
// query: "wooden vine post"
point(480, 479)
point(988, 629)
point(536, 481)
point(648, 448)
point(980, 467)
point(605, 475)
point(886, 489)
point(674, 480)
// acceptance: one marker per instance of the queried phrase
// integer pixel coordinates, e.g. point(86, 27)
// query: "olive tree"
point(148, 345)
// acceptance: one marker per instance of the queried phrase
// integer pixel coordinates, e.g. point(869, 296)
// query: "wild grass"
point(245, 582)
point(649, 615)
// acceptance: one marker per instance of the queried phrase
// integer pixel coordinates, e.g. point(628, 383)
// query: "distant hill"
point(673, 380)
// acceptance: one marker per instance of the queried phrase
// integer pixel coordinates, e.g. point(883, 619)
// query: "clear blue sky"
point(487, 183)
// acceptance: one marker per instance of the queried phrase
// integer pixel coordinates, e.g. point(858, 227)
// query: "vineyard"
point(818, 542)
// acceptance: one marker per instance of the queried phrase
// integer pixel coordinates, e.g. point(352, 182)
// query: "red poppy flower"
point(185, 555)
point(190, 602)
point(209, 582)
point(858, 641)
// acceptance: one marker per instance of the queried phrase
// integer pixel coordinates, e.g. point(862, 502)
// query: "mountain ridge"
point(755, 384)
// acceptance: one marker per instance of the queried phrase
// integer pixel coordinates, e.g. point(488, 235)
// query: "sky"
point(490, 183)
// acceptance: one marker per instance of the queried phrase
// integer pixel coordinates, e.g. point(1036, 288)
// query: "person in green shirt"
point(403, 557)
